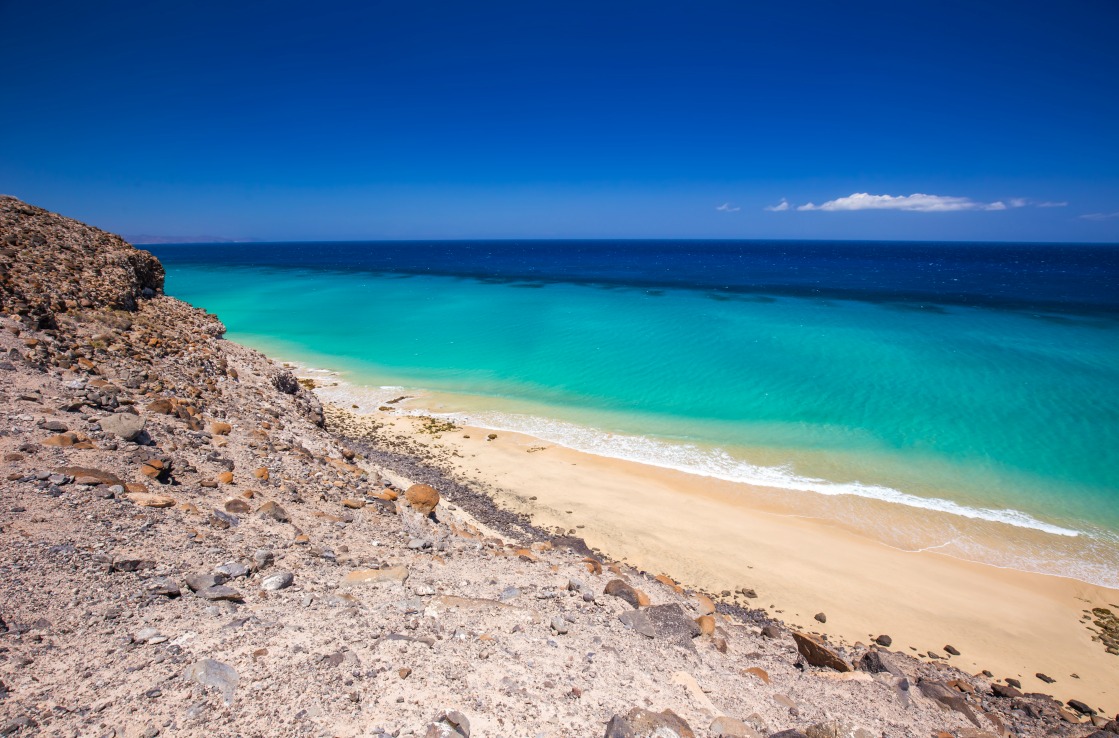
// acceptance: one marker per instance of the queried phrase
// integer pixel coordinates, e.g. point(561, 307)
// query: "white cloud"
point(1052, 204)
point(916, 202)
point(1100, 216)
point(726, 208)
point(779, 207)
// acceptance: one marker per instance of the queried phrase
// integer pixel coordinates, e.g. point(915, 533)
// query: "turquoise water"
point(984, 413)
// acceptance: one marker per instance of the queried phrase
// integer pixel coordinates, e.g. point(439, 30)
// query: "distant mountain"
point(146, 238)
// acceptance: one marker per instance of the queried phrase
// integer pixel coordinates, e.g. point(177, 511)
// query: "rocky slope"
point(186, 548)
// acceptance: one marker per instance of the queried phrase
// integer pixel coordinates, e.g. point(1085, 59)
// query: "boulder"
point(199, 582)
point(237, 506)
point(728, 727)
point(145, 499)
point(947, 697)
point(621, 590)
point(422, 498)
point(277, 581)
point(817, 654)
point(123, 425)
point(273, 511)
point(220, 428)
point(640, 723)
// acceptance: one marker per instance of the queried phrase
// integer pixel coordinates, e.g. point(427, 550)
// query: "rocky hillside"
point(187, 549)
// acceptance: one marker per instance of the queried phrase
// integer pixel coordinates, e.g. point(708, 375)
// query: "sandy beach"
point(720, 537)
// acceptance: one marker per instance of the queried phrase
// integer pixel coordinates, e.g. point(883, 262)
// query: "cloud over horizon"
point(917, 202)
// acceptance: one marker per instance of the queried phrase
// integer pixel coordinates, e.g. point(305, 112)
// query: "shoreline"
point(704, 533)
point(1005, 538)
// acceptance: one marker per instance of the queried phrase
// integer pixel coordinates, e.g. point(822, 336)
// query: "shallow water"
point(980, 381)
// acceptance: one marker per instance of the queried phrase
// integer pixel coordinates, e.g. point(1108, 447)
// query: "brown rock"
point(728, 727)
point(149, 500)
point(62, 440)
point(353, 504)
point(225, 477)
point(273, 511)
point(261, 473)
point(817, 654)
point(641, 723)
point(635, 597)
point(220, 428)
point(161, 406)
point(102, 476)
point(759, 672)
point(706, 625)
point(375, 576)
point(237, 506)
point(422, 498)
point(155, 469)
point(704, 604)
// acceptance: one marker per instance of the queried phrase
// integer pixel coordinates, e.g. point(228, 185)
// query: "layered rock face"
point(186, 550)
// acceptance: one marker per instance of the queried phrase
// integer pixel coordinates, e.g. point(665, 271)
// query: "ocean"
point(969, 389)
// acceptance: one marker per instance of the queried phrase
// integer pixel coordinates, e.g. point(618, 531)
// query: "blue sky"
point(283, 120)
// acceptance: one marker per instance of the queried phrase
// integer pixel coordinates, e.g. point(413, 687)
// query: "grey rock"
point(219, 592)
point(559, 625)
point(884, 640)
point(15, 724)
point(836, 729)
point(223, 520)
point(198, 582)
point(948, 697)
point(773, 631)
point(165, 586)
point(214, 675)
point(278, 580)
point(123, 425)
point(509, 593)
point(639, 621)
point(149, 635)
point(232, 569)
point(263, 558)
point(820, 617)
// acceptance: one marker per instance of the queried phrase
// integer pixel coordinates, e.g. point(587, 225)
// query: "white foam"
point(719, 464)
point(684, 457)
